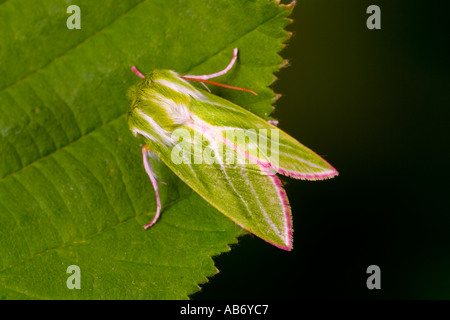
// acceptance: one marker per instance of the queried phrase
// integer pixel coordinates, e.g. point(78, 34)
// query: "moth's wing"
point(289, 158)
point(249, 194)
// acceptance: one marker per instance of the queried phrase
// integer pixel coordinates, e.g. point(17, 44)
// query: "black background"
point(374, 104)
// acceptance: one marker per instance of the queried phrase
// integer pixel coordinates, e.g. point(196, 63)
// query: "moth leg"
point(152, 176)
point(219, 73)
point(206, 87)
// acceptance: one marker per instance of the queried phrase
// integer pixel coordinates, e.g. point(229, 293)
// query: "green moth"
point(225, 153)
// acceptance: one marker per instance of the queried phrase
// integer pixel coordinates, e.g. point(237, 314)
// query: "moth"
point(225, 153)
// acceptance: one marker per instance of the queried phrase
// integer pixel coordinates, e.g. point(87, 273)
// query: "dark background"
point(374, 104)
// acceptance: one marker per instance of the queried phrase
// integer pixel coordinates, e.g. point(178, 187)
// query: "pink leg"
point(217, 74)
point(154, 181)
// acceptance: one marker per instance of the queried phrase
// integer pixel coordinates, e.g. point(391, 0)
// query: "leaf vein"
point(64, 245)
point(71, 48)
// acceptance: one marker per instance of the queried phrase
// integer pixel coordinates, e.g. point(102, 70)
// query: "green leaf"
point(73, 190)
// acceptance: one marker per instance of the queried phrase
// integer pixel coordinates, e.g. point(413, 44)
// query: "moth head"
point(134, 94)
point(131, 94)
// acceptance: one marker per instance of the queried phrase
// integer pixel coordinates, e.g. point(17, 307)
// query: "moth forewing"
point(246, 194)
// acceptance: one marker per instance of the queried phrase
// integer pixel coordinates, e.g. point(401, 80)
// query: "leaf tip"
point(285, 63)
point(289, 6)
point(276, 97)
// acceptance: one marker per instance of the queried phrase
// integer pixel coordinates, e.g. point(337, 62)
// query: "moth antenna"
point(219, 73)
point(137, 72)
